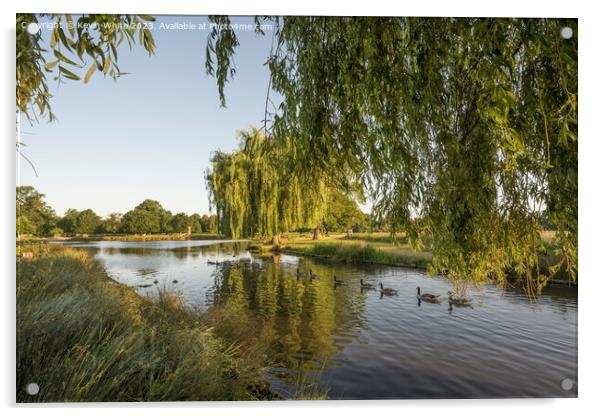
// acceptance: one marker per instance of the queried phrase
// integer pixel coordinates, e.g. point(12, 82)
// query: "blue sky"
point(151, 133)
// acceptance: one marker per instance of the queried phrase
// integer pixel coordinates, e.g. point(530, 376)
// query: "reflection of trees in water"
point(219, 249)
point(294, 319)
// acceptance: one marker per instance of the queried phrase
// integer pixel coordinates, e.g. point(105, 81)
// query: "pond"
point(356, 343)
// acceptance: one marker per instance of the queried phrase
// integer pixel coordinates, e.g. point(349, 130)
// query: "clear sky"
point(151, 133)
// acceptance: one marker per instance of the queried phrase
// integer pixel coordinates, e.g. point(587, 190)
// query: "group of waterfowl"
point(453, 299)
point(174, 281)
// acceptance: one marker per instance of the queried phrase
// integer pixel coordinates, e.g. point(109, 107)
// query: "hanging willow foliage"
point(462, 129)
point(254, 194)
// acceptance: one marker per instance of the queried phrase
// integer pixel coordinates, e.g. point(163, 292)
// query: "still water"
point(356, 343)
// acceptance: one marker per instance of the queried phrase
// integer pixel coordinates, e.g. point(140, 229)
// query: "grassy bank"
point(382, 248)
point(378, 248)
point(83, 337)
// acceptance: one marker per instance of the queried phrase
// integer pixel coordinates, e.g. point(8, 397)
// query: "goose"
point(387, 290)
point(458, 300)
point(427, 297)
point(338, 282)
point(313, 276)
point(212, 262)
point(174, 281)
point(366, 285)
point(155, 281)
point(300, 273)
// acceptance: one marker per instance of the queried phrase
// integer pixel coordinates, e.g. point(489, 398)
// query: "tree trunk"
point(276, 240)
point(317, 234)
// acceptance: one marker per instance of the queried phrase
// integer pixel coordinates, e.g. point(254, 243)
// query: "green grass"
point(361, 253)
point(83, 337)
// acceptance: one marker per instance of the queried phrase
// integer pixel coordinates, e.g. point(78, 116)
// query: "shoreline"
point(355, 249)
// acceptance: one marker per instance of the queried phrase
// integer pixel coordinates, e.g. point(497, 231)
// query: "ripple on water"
point(362, 345)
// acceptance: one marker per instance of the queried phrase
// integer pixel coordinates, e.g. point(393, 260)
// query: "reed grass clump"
point(83, 337)
point(362, 253)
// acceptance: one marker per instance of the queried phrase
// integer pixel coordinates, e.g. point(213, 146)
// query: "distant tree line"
point(35, 217)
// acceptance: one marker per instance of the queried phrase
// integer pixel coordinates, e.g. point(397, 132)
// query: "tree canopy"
point(146, 218)
point(34, 216)
point(76, 222)
point(462, 129)
point(254, 195)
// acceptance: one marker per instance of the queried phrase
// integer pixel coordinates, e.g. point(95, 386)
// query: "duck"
point(387, 290)
point(312, 275)
point(427, 297)
point(366, 285)
point(458, 300)
point(338, 282)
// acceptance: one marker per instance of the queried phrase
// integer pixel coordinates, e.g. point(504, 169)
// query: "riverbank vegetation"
point(83, 337)
point(383, 248)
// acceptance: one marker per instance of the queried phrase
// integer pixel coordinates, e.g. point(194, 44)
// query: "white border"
point(590, 152)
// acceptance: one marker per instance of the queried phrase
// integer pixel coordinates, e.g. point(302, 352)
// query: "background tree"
point(209, 223)
point(253, 196)
point(461, 129)
point(88, 222)
point(195, 224)
point(68, 222)
point(180, 222)
point(343, 213)
point(147, 218)
point(112, 223)
point(34, 216)
point(76, 222)
point(24, 226)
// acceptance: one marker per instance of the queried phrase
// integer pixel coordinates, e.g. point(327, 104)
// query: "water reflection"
point(358, 343)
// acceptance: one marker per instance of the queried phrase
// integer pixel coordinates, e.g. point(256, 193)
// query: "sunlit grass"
point(361, 251)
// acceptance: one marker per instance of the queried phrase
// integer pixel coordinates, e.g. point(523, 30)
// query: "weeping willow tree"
point(463, 130)
point(254, 194)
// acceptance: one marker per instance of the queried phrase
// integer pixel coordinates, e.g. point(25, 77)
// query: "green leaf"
point(63, 38)
point(146, 17)
point(107, 65)
point(63, 58)
point(70, 25)
point(89, 72)
point(53, 38)
point(51, 65)
point(68, 74)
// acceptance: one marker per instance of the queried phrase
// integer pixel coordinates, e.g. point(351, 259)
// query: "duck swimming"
point(367, 286)
point(387, 290)
point(458, 300)
point(338, 282)
point(427, 297)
